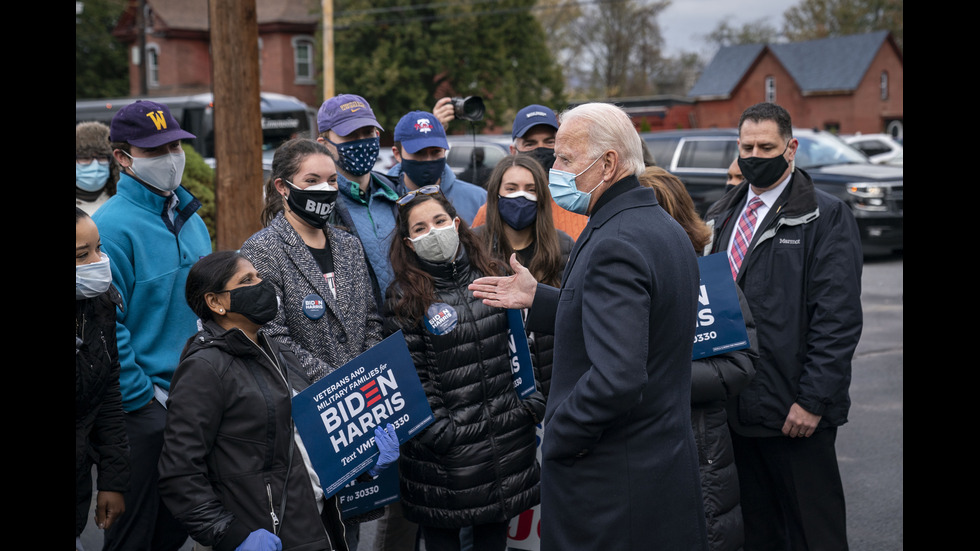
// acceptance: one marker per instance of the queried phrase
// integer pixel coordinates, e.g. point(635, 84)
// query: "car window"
point(872, 147)
point(461, 155)
point(823, 149)
point(662, 149)
point(707, 153)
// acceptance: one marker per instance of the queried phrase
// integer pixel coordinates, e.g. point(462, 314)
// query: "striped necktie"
point(743, 235)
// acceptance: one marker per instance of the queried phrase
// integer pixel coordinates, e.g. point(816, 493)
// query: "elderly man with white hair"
point(620, 462)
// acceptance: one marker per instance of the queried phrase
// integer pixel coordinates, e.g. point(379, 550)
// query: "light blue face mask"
point(91, 177)
point(566, 194)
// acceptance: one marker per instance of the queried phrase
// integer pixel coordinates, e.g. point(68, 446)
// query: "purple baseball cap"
point(344, 114)
point(533, 115)
point(418, 130)
point(146, 124)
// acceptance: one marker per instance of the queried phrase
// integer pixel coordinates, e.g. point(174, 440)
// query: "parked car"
point(880, 148)
point(462, 147)
point(700, 158)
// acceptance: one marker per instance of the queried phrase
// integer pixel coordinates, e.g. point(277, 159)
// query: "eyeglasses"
point(411, 195)
point(101, 159)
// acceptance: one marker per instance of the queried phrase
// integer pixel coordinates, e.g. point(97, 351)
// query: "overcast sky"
point(686, 22)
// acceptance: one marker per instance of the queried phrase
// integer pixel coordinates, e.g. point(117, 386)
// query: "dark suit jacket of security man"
point(620, 462)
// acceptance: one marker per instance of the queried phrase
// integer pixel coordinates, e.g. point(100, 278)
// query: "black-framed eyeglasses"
point(411, 195)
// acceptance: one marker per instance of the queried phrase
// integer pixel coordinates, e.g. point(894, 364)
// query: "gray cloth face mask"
point(439, 245)
point(163, 172)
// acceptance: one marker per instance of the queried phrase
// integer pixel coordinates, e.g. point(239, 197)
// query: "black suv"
point(700, 158)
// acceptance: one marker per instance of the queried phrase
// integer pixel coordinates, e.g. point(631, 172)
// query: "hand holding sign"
point(388, 446)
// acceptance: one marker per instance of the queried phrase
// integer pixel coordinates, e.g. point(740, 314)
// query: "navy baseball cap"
point(418, 130)
point(533, 115)
point(146, 124)
point(344, 114)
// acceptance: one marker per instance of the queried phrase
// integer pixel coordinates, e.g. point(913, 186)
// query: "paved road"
point(869, 446)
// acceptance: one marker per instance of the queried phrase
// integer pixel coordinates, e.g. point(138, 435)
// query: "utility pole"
point(328, 84)
point(237, 120)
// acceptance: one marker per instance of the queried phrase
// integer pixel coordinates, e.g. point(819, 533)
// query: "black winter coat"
point(541, 345)
point(476, 463)
point(715, 380)
point(802, 279)
point(229, 447)
point(100, 430)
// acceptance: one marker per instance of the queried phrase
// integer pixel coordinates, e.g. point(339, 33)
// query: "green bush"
point(199, 180)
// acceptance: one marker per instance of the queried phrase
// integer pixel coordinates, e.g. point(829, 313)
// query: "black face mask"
point(543, 155)
point(763, 172)
point(258, 303)
point(312, 206)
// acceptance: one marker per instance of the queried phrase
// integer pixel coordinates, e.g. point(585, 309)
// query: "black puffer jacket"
point(229, 449)
point(716, 380)
point(100, 432)
point(475, 464)
point(541, 345)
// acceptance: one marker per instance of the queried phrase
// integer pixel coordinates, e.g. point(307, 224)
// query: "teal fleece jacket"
point(150, 257)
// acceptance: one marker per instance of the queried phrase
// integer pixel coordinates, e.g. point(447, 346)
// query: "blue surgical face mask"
point(423, 173)
point(91, 177)
point(566, 195)
point(518, 209)
point(358, 157)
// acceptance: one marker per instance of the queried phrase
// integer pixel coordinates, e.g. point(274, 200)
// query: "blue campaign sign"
point(520, 355)
point(336, 415)
point(357, 498)
point(720, 326)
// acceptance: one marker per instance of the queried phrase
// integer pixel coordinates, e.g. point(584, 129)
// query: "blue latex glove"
point(388, 445)
point(261, 540)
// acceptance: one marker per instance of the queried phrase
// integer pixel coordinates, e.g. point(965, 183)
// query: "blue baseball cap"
point(418, 130)
point(533, 115)
point(146, 124)
point(344, 114)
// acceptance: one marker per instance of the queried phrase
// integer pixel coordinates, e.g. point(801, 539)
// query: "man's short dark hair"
point(768, 112)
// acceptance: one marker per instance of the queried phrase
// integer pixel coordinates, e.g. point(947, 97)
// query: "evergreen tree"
point(101, 65)
point(403, 55)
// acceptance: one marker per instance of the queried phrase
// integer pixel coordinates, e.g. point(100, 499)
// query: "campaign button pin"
point(440, 318)
point(314, 306)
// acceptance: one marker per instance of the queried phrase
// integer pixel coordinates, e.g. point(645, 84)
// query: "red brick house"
point(844, 84)
point(177, 47)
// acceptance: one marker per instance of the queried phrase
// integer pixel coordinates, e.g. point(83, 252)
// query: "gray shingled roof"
point(193, 14)
point(725, 71)
point(828, 64)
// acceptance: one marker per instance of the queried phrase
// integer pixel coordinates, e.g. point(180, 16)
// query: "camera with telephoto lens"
point(469, 108)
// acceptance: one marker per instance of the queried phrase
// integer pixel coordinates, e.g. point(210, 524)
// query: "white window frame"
point(304, 43)
point(152, 59)
point(884, 85)
point(771, 89)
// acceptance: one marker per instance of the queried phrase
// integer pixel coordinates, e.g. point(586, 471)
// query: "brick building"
point(177, 46)
point(844, 84)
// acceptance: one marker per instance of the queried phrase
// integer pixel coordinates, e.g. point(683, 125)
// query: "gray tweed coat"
point(351, 323)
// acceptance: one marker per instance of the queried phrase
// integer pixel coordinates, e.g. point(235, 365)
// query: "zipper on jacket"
point(272, 508)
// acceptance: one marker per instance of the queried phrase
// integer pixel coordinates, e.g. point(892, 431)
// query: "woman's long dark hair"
point(546, 265)
point(413, 289)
